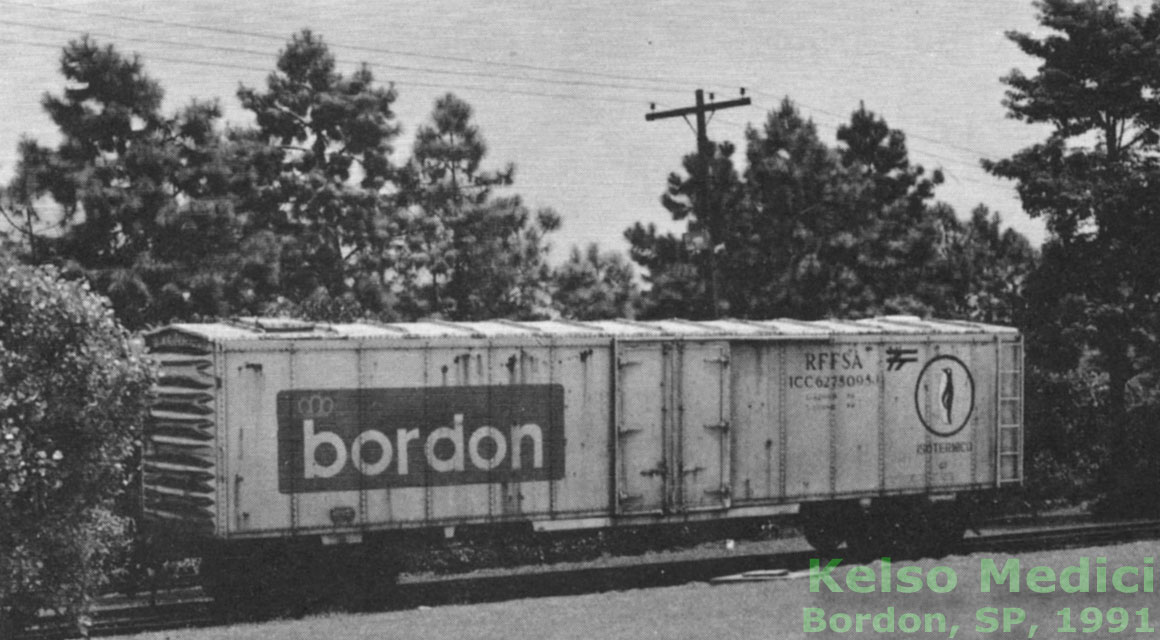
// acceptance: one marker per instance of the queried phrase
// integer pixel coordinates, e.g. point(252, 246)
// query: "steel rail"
point(189, 608)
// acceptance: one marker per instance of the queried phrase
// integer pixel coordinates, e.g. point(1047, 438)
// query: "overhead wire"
point(228, 65)
point(382, 50)
point(490, 89)
point(385, 65)
point(841, 117)
point(912, 149)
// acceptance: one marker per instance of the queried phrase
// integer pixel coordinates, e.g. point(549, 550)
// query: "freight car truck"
point(278, 439)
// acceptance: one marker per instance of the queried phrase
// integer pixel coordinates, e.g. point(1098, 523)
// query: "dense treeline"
point(306, 213)
point(314, 212)
point(811, 231)
point(309, 212)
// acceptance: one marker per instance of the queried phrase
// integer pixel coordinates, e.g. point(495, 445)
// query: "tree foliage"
point(811, 230)
point(687, 276)
point(142, 197)
point(303, 213)
point(72, 403)
point(595, 285)
point(1095, 182)
point(463, 252)
point(321, 157)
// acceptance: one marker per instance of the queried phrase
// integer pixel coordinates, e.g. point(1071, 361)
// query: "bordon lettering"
point(344, 439)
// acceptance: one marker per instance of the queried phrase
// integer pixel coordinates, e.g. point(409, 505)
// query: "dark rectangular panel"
point(347, 439)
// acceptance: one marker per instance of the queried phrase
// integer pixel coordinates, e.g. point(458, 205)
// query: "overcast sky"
point(561, 89)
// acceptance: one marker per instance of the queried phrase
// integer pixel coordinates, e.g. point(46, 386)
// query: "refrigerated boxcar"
point(267, 432)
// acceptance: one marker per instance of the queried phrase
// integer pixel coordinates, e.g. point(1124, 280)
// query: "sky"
point(561, 89)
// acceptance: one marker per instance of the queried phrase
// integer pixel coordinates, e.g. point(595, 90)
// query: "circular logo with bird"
point(944, 396)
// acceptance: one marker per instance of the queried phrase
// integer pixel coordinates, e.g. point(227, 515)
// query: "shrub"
point(73, 395)
point(1066, 444)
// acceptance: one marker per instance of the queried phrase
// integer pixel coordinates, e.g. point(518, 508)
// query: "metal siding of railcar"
point(809, 431)
point(468, 364)
point(258, 508)
point(178, 497)
point(581, 368)
point(585, 370)
point(589, 487)
point(704, 408)
point(220, 428)
point(871, 448)
point(641, 427)
point(908, 469)
point(254, 378)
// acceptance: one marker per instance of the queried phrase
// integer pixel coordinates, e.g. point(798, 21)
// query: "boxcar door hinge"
point(628, 497)
point(722, 426)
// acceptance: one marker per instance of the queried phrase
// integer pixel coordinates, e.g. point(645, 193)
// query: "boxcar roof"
point(285, 329)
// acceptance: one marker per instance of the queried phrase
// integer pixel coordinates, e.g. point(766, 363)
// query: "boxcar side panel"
point(313, 433)
point(258, 448)
point(248, 441)
point(469, 366)
point(810, 421)
point(388, 366)
point(905, 466)
point(756, 422)
point(334, 433)
point(854, 394)
point(584, 371)
point(940, 415)
point(704, 410)
point(642, 427)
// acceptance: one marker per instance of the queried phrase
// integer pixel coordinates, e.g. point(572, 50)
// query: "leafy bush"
point(1065, 442)
point(73, 395)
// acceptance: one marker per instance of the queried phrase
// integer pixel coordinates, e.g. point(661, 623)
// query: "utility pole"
point(704, 158)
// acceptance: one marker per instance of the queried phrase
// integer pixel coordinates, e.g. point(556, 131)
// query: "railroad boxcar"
point(267, 432)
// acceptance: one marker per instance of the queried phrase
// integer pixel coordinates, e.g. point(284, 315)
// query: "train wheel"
point(892, 527)
point(949, 525)
point(870, 535)
point(827, 525)
point(293, 579)
point(824, 537)
point(237, 584)
point(361, 578)
point(909, 528)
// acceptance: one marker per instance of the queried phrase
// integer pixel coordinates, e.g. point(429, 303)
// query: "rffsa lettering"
point(833, 360)
point(486, 448)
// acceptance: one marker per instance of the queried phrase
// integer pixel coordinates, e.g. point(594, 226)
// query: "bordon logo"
point(347, 439)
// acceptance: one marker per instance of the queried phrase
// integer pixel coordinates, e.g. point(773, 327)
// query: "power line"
point(917, 149)
point(540, 69)
point(842, 117)
point(399, 52)
point(265, 54)
point(408, 83)
point(481, 74)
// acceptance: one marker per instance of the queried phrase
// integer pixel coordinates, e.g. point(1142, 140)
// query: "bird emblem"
point(947, 394)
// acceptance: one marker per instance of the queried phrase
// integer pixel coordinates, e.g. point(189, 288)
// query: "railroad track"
point(188, 607)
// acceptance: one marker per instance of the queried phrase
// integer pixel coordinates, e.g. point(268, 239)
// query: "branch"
point(303, 121)
point(4, 212)
point(1140, 137)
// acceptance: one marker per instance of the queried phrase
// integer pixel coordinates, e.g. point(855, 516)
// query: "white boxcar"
point(274, 428)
